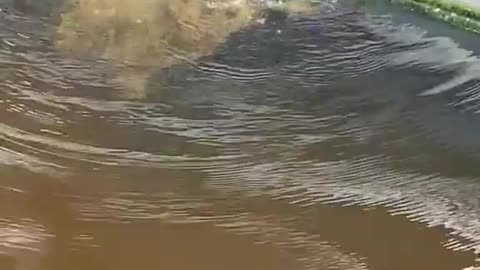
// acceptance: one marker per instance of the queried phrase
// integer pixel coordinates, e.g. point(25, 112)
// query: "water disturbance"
point(191, 134)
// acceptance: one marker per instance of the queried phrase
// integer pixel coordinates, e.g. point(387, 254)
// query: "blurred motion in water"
point(157, 33)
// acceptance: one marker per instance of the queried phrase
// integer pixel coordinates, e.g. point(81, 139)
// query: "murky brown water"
point(343, 138)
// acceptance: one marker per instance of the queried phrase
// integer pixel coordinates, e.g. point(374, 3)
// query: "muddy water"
point(341, 139)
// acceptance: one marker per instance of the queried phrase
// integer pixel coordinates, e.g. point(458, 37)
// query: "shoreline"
point(459, 13)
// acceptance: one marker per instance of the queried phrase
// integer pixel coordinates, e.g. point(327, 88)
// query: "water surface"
point(343, 139)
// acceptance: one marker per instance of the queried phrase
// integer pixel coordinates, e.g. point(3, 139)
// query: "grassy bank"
point(458, 13)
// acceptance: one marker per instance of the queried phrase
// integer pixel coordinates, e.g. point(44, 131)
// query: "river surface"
point(345, 139)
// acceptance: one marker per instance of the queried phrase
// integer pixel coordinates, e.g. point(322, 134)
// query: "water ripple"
point(340, 108)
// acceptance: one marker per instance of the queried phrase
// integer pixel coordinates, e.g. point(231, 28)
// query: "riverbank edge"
point(454, 12)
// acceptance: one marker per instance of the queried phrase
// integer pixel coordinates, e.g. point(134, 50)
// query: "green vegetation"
point(456, 13)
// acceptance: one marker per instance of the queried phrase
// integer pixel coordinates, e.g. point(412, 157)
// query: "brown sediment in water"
point(372, 235)
point(389, 242)
point(149, 33)
point(155, 33)
point(384, 240)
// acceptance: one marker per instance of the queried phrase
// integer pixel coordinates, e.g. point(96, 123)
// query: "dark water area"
point(344, 139)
